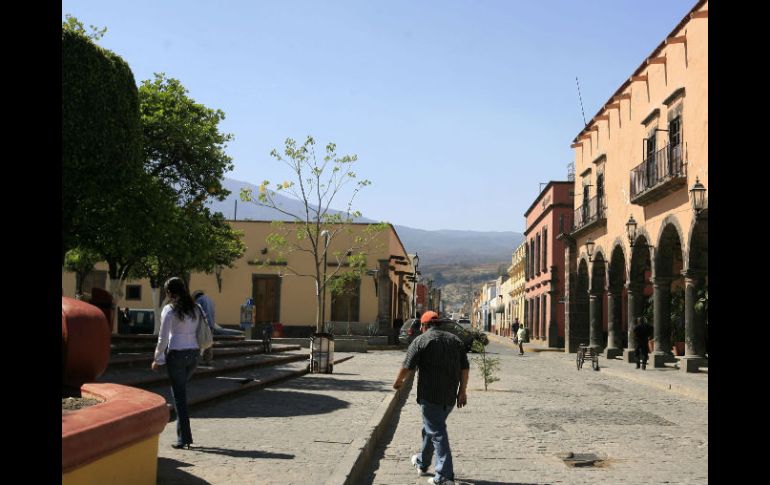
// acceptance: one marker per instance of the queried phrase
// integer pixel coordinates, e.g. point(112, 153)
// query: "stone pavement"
point(307, 430)
point(543, 408)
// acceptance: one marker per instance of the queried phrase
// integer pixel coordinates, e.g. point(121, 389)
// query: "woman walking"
point(177, 349)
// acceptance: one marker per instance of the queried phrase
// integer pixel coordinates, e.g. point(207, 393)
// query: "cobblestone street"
point(542, 407)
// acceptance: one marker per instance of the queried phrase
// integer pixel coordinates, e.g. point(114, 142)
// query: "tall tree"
point(101, 139)
point(316, 183)
point(183, 146)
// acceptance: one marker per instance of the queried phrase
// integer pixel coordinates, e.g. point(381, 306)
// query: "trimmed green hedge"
point(101, 135)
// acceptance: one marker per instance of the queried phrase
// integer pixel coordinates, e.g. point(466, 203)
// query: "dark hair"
point(181, 301)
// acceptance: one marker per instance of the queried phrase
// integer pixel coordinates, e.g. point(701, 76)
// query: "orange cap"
point(428, 316)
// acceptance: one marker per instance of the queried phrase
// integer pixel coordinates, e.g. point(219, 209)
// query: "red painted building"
point(549, 215)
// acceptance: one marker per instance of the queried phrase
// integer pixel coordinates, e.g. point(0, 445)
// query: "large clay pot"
point(85, 342)
point(678, 349)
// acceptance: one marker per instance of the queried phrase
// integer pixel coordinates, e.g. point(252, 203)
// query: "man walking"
point(207, 304)
point(442, 381)
point(643, 331)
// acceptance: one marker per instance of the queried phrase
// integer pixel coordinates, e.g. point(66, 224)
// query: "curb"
point(356, 459)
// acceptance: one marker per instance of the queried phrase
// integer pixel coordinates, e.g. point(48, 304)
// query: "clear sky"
point(457, 109)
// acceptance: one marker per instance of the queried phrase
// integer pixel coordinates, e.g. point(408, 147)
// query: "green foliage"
point(101, 147)
point(488, 366)
point(80, 261)
point(314, 229)
point(72, 24)
point(182, 143)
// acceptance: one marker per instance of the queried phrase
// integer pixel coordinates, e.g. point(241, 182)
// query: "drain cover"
point(579, 459)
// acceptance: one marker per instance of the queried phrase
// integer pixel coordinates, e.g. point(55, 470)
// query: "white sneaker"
point(420, 471)
point(437, 481)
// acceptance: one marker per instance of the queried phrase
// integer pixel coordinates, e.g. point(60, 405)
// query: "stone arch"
point(617, 296)
point(696, 288)
point(597, 294)
point(579, 327)
point(671, 222)
point(669, 290)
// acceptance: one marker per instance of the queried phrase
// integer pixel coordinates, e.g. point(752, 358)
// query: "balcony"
point(589, 216)
point(656, 177)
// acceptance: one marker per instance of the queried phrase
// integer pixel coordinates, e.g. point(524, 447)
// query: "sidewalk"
point(693, 385)
point(312, 429)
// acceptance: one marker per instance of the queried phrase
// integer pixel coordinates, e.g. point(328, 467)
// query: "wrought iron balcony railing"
point(665, 165)
point(589, 213)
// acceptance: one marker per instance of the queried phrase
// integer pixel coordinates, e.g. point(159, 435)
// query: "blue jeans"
point(180, 365)
point(435, 438)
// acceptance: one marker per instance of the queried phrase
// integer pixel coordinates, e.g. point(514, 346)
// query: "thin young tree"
point(316, 184)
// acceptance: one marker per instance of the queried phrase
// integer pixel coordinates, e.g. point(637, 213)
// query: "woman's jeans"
point(435, 437)
point(181, 364)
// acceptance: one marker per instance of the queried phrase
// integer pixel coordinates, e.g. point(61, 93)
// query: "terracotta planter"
point(651, 345)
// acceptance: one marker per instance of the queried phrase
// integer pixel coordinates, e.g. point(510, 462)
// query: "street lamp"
point(325, 235)
point(416, 262)
point(698, 192)
point(590, 250)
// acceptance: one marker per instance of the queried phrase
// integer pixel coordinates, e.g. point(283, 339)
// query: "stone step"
point(145, 358)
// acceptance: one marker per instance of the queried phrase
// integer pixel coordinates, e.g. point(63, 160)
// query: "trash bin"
point(321, 353)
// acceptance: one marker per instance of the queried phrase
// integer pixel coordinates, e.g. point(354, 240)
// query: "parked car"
point(411, 330)
point(464, 323)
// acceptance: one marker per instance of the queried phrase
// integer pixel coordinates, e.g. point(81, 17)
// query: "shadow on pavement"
point(486, 482)
point(318, 382)
point(269, 403)
point(170, 473)
point(242, 453)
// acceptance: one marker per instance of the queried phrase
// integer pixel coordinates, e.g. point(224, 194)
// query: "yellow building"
point(285, 293)
point(640, 232)
point(516, 273)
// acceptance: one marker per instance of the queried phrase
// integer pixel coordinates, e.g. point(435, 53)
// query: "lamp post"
point(416, 262)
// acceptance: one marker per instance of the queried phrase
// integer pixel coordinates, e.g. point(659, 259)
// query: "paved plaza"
point(543, 407)
point(646, 428)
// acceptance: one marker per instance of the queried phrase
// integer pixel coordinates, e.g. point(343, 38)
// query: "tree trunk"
point(156, 309)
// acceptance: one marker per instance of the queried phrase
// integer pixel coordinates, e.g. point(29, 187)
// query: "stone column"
point(662, 321)
point(694, 325)
point(595, 320)
point(614, 341)
point(553, 323)
point(635, 298)
point(384, 295)
point(570, 342)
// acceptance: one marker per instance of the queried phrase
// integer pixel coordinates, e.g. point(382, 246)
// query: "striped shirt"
point(439, 356)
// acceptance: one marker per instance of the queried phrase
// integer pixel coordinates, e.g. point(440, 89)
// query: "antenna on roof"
point(581, 101)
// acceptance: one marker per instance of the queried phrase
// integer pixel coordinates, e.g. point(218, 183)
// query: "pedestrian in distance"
point(207, 304)
point(442, 365)
point(521, 336)
point(515, 329)
point(178, 351)
point(267, 336)
point(643, 332)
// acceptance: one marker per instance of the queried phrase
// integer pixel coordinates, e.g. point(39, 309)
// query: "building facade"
point(548, 216)
point(518, 282)
point(639, 244)
point(282, 292)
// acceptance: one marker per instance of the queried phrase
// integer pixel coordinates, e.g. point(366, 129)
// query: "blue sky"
point(457, 109)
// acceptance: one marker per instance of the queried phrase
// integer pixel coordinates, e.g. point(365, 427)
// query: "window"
point(545, 249)
point(649, 159)
point(133, 292)
point(538, 253)
point(346, 301)
point(675, 140)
